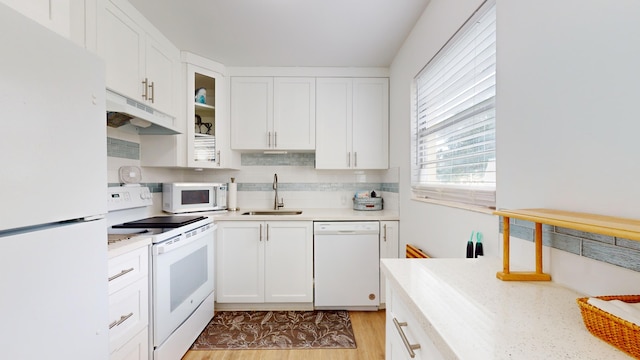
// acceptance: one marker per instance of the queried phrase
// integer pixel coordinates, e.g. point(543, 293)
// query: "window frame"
point(465, 195)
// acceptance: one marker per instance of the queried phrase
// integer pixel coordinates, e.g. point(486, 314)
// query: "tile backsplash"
point(613, 250)
point(123, 149)
point(300, 184)
point(294, 159)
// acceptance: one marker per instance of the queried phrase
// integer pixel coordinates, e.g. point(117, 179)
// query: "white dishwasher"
point(346, 265)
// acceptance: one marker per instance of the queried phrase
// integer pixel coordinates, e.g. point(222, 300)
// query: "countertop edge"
point(309, 214)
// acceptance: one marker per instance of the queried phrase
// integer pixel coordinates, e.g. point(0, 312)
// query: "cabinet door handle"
point(385, 232)
point(122, 319)
point(145, 86)
point(152, 87)
point(349, 159)
point(218, 156)
point(275, 139)
point(260, 232)
point(267, 232)
point(269, 139)
point(355, 159)
point(409, 347)
point(123, 272)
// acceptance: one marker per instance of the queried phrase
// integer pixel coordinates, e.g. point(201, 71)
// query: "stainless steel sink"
point(273, 212)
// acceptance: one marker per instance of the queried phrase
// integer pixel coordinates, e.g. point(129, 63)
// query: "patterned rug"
point(277, 330)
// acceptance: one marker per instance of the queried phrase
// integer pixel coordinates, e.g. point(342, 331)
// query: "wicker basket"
point(618, 332)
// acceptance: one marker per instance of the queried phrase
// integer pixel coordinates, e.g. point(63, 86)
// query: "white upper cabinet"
point(123, 51)
point(204, 118)
point(54, 15)
point(294, 113)
point(162, 65)
point(207, 98)
point(251, 112)
point(270, 113)
point(371, 123)
point(72, 19)
point(205, 141)
point(352, 123)
point(333, 123)
point(140, 63)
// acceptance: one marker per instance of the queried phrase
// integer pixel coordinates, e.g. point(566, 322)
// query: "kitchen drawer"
point(136, 349)
point(396, 349)
point(128, 313)
point(125, 269)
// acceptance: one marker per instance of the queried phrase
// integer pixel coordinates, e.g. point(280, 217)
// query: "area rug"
point(277, 330)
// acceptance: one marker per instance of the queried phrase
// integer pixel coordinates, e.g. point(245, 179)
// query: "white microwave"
point(190, 197)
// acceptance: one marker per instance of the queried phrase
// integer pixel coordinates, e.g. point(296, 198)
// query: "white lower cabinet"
point(389, 243)
point(135, 349)
point(264, 262)
point(404, 337)
point(129, 305)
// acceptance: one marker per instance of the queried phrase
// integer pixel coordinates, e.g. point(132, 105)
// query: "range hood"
point(128, 113)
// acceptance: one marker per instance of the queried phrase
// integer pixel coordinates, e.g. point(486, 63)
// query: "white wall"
point(568, 78)
point(567, 112)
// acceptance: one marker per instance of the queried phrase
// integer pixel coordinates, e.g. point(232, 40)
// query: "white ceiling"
point(358, 33)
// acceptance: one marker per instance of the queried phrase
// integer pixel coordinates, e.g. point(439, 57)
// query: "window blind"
point(453, 132)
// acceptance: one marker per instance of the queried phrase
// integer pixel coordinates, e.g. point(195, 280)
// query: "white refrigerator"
point(53, 242)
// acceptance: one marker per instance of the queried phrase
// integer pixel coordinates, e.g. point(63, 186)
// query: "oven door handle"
point(183, 239)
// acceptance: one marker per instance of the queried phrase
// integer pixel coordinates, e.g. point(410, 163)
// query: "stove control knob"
point(145, 194)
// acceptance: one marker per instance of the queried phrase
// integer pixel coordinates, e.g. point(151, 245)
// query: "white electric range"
point(181, 268)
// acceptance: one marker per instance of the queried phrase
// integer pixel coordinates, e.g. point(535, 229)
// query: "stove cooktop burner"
point(166, 222)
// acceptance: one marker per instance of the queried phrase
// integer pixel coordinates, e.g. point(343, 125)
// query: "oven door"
point(182, 279)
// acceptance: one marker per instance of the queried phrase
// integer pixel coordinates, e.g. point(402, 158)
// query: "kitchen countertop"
point(124, 246)
point(345, 214)
point(470, 314)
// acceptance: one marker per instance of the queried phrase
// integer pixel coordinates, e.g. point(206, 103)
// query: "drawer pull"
point(123, 272)
point(123, 318)
point(409, 347)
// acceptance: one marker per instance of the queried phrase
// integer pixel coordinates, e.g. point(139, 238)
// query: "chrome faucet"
point(276, 205)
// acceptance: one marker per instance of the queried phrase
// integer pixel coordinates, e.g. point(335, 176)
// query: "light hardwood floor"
point(368, 327)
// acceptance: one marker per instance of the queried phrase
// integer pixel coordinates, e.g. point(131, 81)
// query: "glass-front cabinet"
point(201, 112)
point(204, 142)
point(208, 141)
